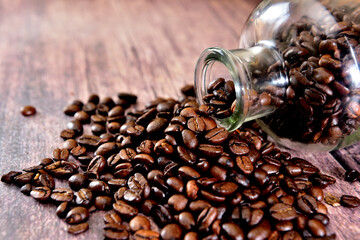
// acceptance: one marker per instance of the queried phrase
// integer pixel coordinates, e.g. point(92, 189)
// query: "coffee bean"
point(67, 134)
point(352, 175)
point(238, 147)
point(78, 228)
point(77, 181)
point(316, 228)
point(69, 144)
point(206, 218)
point(26, 189)
point(261, 231)
point(349, 201)
point(282, 212)
point(78, 151)
point(60, 154)
point(124, 209)
point(146, 235)
point(97, 164)
point(75, 125)
point(62, 209)
point(41, 193)
point(332, 200)
point(189, 138)
point(20, 179)
point(77, 215)
point(99, 187)
point(112, 218)
point(62, 195)
point(175, 183)
point(28, 110)
point(103, 202)
point(245, 164)
point(317, 193)
point(196, 124)
point(217, 135)
point(9, 177)
point(139, 222)
point(178, 202)
point(225, 188)
point(83, 197)
point(210, 150)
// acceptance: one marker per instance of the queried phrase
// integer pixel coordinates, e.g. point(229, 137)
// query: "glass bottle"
point(296, 72)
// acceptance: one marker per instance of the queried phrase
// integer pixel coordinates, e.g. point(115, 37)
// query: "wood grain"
point(52, 52)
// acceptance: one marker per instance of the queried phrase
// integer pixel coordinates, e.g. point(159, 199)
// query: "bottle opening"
point(221, 83)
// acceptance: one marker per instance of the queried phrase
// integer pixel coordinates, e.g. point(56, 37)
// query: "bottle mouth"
point(215, 63)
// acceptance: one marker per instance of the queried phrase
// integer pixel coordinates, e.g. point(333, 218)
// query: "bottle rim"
point(240, 76)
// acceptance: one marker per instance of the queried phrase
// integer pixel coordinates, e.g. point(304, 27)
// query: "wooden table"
point(52, 52)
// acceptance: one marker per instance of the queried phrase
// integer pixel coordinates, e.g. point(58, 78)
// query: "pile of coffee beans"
point(321, 104)
point(220, 98)
point(169, 172)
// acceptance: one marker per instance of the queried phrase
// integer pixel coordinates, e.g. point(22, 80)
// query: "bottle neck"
point(260, 81)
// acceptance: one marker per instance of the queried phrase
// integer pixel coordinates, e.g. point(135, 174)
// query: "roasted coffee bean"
point(26, 189)
point(62, 209)
point(238, 147)
point(130, 98)
point(316, 228)
point(217, 135)
point(62, 195)
point(112, 218)
point(41, 193)
point(189, 138)
point(97, 164)
point(171, 231)
point(146, 235)
point(103, 202)
point(324, 219)
point(224, 188)
point(186, 220)
point(116, 234)
point(77, 215)
point(89, 140)
point(9, 177)
point(196, 124)
point(175, 183)
point(78, 151)
point(233, 231)
point(206, 218)
point(332, 200)
point(322, 180)
point(261, 231)
point(83, 197)
point(352, 175)
point(139, 222)
point(99, 187)
point(106, 148)
point(282, 212)
point(67, 134)
point(186, 155)
point(124, 209)
point(76, 126)
point(82, 116)
point(78, 181)
point(210, 150)
point(245, 164)
point(161, 214)
point(21, 179)
point(349, 201)
point(78, 228)
point(60, 154)
point(28, 110)
point(178, 202)
point(317, 193)
point(69, 144)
